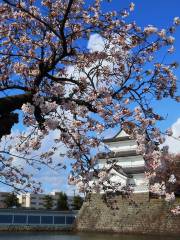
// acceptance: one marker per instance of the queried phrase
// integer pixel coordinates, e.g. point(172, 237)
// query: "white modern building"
point(33, 201)
point(129, 167)
point(37, 201)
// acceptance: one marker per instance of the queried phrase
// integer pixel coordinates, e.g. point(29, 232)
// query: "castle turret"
point(130, 166)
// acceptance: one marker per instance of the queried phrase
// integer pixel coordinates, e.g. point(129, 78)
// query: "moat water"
point(81, 236)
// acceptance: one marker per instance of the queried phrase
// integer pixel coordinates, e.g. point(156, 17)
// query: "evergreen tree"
point(77, 202)
point(62, 203)
point(11, 201)
point(48, 202)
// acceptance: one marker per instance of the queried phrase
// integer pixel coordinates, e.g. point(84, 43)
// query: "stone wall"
point(135, 215)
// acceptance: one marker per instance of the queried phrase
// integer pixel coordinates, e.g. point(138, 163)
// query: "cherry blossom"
point(61, 84)
point(172, 179)
point(170, 197)
point(28, 108)
point(132, 6)
point(176, 210)
point(150, 29)
point(177, 20)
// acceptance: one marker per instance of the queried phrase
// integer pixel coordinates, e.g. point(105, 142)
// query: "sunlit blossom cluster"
point(176, 210)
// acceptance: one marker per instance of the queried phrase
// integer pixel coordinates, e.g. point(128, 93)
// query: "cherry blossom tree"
point(167, 178)
point(60, 84)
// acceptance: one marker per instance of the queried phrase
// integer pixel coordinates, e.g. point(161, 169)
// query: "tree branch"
point(12, 103)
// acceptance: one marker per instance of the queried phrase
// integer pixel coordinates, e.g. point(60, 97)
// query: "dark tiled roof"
point(115, 139)
point(108, 140)
point(116, 167)
point(117, 154)
point(134, 170)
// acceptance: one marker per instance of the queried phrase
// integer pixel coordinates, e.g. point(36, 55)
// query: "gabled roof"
point(117, 168)
point(120, 136)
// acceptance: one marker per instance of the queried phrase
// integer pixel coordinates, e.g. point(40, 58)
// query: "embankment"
point(138, 215)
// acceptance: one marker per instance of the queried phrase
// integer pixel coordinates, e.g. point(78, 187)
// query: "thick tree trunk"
point(12, 103)
point(7, 106)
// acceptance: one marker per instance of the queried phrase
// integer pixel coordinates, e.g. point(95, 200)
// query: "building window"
point(70, 219)
point(59, 219)
point(6, 218)
point(46, 219)
point(34, 219)
point(19, 218)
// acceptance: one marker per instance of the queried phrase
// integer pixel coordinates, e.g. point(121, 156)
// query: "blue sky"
point(161, 14)
point(155, 12)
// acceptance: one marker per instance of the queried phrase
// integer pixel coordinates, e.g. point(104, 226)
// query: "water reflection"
point(81, 236)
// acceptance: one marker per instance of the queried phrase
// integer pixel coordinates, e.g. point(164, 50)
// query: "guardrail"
point(36, 217)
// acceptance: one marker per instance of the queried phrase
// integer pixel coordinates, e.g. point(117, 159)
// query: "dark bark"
point(6, 123)
point(12, 103)
point(7, 105)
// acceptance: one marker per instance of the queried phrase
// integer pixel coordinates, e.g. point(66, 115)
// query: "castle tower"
point(130, 166)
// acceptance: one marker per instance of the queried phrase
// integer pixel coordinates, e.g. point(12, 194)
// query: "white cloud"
point(96, 43)
point(173, 142)
point(49, 178)
point(54, 181)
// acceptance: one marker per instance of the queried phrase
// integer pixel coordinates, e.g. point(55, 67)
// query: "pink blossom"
point(169, 132)
point(52, 124)
point(169, 197)
point(150, 29)
point(162, 33)
point(131, 6)
point(28, 108)
point(170, 40)
point(172, 179)
point(177, 20)
point(171, 49)
point(176, 210)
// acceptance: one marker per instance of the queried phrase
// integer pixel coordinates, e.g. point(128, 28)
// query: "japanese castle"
point(130, 166)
